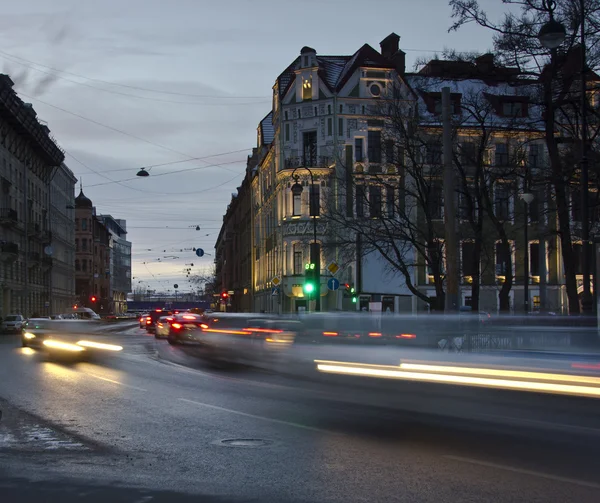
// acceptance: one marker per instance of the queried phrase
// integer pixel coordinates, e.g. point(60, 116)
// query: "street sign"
point(333, 283)
point(276, 281)
point(275, 291)
point(199, 252)
point(333, 268)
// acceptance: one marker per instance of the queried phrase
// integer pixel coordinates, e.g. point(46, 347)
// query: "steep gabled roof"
point(365, 56)
point(267, 131)
point(332, 67)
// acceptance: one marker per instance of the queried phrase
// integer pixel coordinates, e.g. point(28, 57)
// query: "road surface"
point(154, 424)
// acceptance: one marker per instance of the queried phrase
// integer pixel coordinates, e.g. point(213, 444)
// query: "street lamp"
point(142, 172)
point(552, 35)
point(315, 254)
point(527, 198)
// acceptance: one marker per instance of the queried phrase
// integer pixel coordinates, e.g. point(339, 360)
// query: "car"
point(162, 325)
point(153, 317)
point(142, 320)
point(182, 328)
point(13, 323)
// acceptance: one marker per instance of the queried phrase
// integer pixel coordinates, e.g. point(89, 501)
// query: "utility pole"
point(452, 284)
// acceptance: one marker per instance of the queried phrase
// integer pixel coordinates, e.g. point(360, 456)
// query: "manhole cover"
point(244, 442)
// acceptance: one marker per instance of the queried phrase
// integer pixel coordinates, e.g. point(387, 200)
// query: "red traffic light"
point(93, 298)
point(224, 295)
point(347, 285)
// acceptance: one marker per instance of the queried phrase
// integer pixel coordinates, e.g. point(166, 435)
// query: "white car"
point(13, 323)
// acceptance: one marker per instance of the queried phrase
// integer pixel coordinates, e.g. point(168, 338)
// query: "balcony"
point(8, 217)
point(9, 252)
point(321, 161)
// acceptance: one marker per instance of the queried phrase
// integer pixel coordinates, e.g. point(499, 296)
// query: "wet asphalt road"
point(138, 428)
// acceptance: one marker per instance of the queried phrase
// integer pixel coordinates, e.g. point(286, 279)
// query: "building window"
point(433, 153)
point(285, 114)
point(341, 127)
point(375, 201)
point(287, 132)
point(307, 88)
point(358, 150)
point(76, 224)
point(502, 259)
point(77, 245)
point(314, 200)
point(329, 126)
point(514, 109)
point(84, 245)
point(502, 201)
point(84, 224)
point(533, 157)
point(341, 109)
point(501, 154)
point(77, 266)
point(468, 154)
point(310, 148)
point(84, 265)
point(534, 208)
point(391, 201)
point(374, 146)
point(296, 205)
point(467, 253)
point(360, 200)
point(534, 259)
point(435, 200)
point(329, 109)
point(298, 266)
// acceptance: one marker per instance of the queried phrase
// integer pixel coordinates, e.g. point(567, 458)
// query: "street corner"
point(21, 432)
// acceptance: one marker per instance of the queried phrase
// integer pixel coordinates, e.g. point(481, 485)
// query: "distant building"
point(120, 263)
point(92, 258)
point(62, 226)
point(29, 158)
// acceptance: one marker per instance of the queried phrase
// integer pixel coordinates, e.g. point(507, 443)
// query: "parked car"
point(13, 323)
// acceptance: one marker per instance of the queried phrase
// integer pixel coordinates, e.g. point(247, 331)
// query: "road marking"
point(239, 413)
point(523, 471)
point(114, 382)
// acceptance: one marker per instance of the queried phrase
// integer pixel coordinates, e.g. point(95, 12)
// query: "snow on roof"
point(472, 91)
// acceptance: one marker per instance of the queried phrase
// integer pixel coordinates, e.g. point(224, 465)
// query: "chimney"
point(399, 59)
point(389, 45)
point(485, 63)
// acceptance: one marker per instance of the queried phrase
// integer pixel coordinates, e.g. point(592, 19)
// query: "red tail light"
point(176, 325)
point(330, 334)
point(375, 334)
point(406, 336)
point(148, 321)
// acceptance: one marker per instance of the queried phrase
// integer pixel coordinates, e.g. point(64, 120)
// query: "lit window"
point(307, 88)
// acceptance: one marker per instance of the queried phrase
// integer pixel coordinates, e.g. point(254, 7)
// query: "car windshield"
point(13, 318)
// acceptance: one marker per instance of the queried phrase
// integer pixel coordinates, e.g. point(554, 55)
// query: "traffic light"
point(93, 298)
point(310, 279)
point(224, 295)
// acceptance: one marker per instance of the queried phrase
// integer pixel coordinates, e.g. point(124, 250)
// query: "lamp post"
point(551, 36)
point(527, 198)
point(315, 253)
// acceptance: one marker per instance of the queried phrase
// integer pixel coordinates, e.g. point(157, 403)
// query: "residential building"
point(120, 263)
point(29, 158)
point(233, 249)
point(62, 226)
point(92, 258)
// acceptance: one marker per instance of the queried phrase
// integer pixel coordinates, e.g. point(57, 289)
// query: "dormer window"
point(514, 109)
point(307, 88)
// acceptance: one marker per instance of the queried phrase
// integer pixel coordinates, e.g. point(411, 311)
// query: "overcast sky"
point(131, 83)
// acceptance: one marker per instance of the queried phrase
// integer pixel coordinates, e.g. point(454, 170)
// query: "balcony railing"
point(320, 161)
point(8, 216)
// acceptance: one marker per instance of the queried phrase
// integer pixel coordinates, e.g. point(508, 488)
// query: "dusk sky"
point(131, 83)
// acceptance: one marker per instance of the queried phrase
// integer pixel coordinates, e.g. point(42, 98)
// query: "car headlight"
point(29, 335)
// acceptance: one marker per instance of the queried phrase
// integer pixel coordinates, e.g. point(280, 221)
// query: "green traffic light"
point(354, 300)
point(309, 287)
point(352, 290)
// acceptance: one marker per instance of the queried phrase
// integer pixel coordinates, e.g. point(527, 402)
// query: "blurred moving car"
point(66, 337)
point(182, 328)
point(142, 320)
point(153, 317)
point(83, 313)
point(13, 323)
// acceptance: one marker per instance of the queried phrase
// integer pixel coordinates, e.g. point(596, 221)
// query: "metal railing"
point(320, 161)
